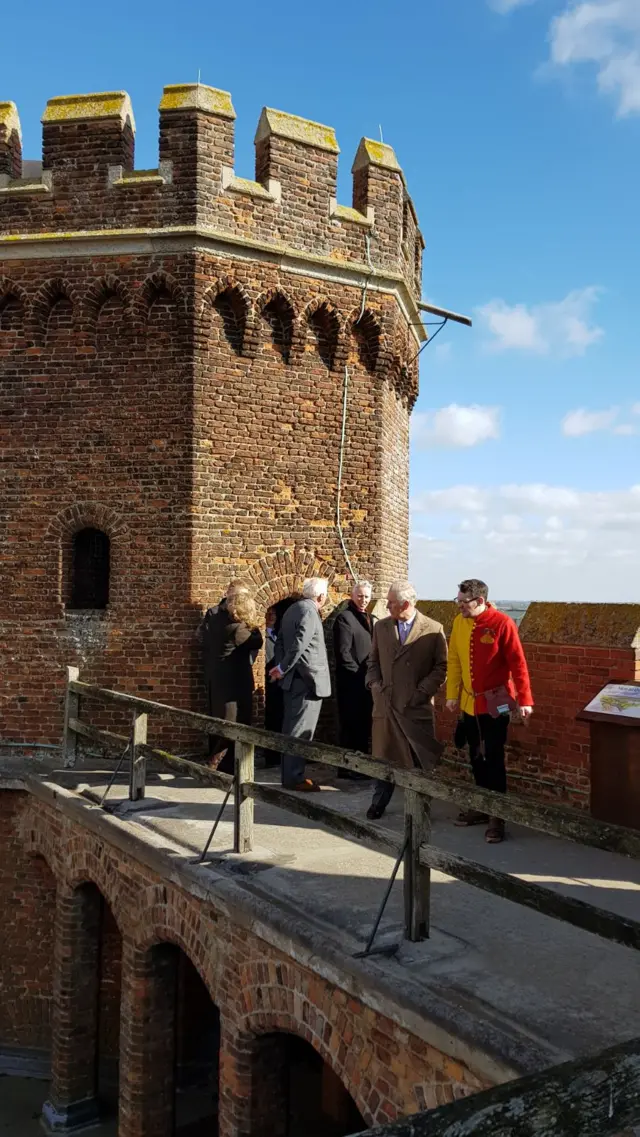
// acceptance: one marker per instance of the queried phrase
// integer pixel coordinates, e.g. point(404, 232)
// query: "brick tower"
point(188, 361)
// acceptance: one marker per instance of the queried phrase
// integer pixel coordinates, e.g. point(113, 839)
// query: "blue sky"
point(518, 127)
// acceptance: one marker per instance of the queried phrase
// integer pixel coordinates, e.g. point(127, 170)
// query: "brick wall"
point(572, 650)
point(27, 904)
point(184, 394)
point(387, 1070)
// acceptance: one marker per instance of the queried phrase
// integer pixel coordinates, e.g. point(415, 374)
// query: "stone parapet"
point(88, 159)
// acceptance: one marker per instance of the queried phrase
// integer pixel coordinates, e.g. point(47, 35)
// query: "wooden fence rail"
point(419, 854)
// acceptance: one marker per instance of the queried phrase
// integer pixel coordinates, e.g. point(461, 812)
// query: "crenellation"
point(10, 141)
point(89, 183)
point(378, 185)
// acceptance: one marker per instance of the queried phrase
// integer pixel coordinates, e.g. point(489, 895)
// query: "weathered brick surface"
point(572, 650)
point(387, 1070)
point(27, 907)
point(185, 398)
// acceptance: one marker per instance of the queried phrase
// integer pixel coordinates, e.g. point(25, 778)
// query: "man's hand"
point(452, 704)
point(275, 673)
point(526, 712)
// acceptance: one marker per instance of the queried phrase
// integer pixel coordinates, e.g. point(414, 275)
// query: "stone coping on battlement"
point(500, 1010)
point(614, 626)
point(292, 195)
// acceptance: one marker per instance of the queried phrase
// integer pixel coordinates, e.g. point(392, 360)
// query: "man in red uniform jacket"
point(487, 679)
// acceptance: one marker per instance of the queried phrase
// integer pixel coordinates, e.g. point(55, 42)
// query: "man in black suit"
point(352, 632)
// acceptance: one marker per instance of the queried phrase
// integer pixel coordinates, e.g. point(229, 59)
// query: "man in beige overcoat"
point(407, 666)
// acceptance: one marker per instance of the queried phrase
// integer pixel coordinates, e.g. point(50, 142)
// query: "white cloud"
point(635, 410)
point(577, 423)
point(560, 328)
point(606, 35)
point(506, 6)
point(587, 542)
point(455, 426)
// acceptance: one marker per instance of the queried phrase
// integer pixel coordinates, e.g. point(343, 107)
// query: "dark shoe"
point(375, 812)
point(306, 787)
point(495, 831)
point(471, 817)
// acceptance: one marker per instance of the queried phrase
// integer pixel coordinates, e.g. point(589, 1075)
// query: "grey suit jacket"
point(301, 652)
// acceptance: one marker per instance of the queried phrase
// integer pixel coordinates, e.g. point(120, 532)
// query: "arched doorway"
point(197, 1054)
point(86, 1010)
point(295, 1093)
point(170, 1047)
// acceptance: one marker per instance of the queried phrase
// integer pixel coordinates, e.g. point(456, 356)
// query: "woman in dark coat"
point(352, 632)
point(231, 696)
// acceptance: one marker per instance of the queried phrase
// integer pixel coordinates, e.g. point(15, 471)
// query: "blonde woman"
point(232, 696)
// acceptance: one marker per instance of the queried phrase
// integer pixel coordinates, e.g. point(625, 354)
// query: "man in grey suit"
point(302, 668)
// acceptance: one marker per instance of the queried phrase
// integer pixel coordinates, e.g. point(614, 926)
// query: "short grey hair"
point(315, 586)
point(403, 591)
point(362, 584)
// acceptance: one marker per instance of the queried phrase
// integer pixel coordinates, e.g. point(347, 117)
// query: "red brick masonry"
point(387, 1070)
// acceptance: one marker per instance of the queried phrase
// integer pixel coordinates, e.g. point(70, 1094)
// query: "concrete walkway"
point(563, 991)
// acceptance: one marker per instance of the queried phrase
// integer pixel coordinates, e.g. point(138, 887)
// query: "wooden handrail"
point(557, 821)
point(579, 913)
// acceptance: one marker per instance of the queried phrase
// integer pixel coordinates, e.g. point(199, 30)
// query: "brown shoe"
point(471, 817)
point(495, 831)
point(306, 787)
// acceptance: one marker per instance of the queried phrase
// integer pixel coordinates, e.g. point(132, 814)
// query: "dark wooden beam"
point(557, 821)
point(608, 925)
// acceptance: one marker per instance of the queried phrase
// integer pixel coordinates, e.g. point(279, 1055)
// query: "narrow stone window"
point(90, 556)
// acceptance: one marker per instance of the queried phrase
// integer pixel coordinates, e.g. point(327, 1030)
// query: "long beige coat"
point(403, 679)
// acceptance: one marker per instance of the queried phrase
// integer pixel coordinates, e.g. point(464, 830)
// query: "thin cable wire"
point(367, 245)
point(343, 437)
point(343, 433)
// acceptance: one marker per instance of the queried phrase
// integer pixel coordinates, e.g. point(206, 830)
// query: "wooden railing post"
point(138, 764)
point(71, 711)
point(417, 877)
point(243, 805)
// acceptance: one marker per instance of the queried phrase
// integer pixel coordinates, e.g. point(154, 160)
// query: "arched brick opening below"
point(28, 904)
point(170, 1047)
point(86, 1010)
point(296, 1093)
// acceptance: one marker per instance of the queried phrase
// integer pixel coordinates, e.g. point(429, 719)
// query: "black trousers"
point(383, 791)
point(487, 763)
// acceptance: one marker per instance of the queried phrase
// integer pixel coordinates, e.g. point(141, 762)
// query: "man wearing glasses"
point(488, 681)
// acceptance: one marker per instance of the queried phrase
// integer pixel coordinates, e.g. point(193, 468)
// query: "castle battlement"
point(89, 183)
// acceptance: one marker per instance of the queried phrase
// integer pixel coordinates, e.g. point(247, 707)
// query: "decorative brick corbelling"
point(57, 288)
point(102, 290)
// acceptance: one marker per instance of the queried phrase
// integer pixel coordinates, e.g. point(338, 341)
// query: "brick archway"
point(164, 916)
point(282, 998)
point(280, 574)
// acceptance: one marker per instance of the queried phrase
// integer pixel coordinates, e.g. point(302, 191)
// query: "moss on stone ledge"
point(592, 625)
